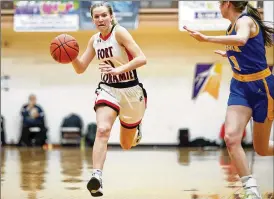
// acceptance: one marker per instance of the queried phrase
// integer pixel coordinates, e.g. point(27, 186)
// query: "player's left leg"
point(129, 137)
point(130, 119)
point(132, 110)
point(263, 115)
point(261, 134)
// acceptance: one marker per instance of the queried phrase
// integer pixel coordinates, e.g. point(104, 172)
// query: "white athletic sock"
point(98, 171)
point(248, 181)
point(244, 179)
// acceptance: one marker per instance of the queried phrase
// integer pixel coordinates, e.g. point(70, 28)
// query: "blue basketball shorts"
point(257, 94)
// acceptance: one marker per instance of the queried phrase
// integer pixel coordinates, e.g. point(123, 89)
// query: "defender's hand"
point(196, 35)
point(221, 52)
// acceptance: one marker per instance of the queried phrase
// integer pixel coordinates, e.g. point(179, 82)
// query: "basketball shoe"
point(250, 188)
point(138, 136)
point(95, 185)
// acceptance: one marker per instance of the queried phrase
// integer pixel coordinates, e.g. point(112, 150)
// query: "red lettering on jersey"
point(127, 75)
point(131, 75)
point(122, 77)
point(115, 79)
point(110, 51)
point(105, 78)
point(108, 78)
point(105, 53)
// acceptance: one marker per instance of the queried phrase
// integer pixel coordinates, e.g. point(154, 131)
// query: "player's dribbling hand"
point(220, 52)
point(196, 35)
point(108, 69)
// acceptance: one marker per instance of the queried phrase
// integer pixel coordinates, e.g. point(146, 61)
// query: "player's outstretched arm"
point(125, 39)
point(243, 28)
point(81, 64)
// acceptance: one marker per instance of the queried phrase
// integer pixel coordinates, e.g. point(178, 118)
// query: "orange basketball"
point(64, 48)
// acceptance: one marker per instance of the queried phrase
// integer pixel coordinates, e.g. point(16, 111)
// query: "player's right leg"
point(237, 116)
point(105, 117)
point(106, 113)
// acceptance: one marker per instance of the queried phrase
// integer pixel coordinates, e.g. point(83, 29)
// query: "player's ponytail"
point(267, 31)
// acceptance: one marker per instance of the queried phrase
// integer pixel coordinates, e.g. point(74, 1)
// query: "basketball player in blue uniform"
point(252, 85)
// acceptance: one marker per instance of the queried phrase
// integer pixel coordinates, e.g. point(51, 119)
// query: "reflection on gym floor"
point(142, 173)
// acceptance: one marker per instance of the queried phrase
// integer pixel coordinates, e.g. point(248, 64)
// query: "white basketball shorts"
point(129, 103)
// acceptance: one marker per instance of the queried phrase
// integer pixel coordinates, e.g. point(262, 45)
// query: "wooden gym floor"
point(142, 173)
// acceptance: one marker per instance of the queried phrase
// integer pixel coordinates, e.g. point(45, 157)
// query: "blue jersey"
point(249, 58)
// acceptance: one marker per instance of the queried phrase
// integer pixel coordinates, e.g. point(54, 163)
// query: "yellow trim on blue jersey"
point(231, 29)
point(257, 28)
point(252, 77)
point(270, 102)
point(255, 34)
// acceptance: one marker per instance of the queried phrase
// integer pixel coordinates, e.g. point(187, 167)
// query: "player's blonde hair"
point(108, 6)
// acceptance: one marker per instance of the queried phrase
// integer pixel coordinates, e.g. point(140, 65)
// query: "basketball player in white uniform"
point(119, 93)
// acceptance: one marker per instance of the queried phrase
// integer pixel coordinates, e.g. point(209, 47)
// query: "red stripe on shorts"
point(130, 125)
point(108, 103)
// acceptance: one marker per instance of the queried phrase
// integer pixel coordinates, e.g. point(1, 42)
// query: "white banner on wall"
point(25, 23)
point(44, 16)
point(201, 15)
point(268, 10)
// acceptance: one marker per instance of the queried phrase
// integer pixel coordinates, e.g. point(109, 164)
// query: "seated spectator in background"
point(3, 137)
point(33, 127)
point(91, 134)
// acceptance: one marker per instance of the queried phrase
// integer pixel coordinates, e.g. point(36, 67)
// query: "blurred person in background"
point(33, 116)
point(3, 133)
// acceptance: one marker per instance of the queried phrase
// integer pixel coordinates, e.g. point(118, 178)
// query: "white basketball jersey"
point(108, 50)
